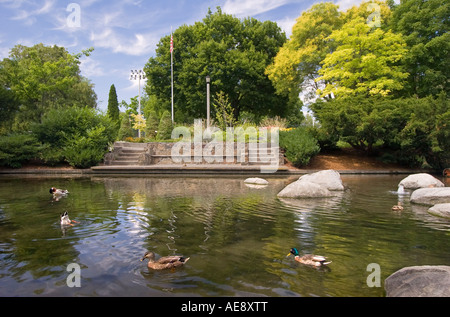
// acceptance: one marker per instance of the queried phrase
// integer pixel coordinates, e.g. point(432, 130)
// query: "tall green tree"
point(43, 78)
point(365, 62)
point(113, 105)
point(425, 25)
point(295, 68)
point(233, 52)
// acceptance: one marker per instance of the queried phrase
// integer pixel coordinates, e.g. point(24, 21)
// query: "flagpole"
point(171, 68)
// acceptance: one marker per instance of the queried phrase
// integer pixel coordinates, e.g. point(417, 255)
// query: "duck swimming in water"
point(309, 259)
point(167, 262)
point(65, 221)
point(397, 207)
point(58, 192)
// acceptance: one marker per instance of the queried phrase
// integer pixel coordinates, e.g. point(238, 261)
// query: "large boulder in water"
point(315, 185)
point(304, 189)
point(329, 179)
point(419, 281)
point(440, 210)
point(431, 196)
point(421, 180)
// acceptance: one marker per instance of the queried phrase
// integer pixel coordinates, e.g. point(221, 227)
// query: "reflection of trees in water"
point(210, 201)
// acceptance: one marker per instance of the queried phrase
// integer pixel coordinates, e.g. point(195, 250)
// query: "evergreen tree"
point(152, 125)
point(165, 127)
point(125, 130)
point(113, 105)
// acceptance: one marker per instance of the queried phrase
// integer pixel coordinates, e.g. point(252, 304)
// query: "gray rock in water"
point(419, 281)
point(304, 189)
point(440, 210)
point(421, 180)
point(256, 181)
point(330, 179)
point(431, 196)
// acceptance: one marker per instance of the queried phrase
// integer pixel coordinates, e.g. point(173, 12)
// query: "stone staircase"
point(145, 154)
point(126, 154)
point(263, 155)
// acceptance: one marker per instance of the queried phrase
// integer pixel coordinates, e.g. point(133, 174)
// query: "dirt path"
point(348, 159)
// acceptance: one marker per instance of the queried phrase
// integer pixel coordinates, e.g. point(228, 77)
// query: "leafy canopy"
point(295, 68)
point(365, 62)
point(43, 78)
point(233, 52)
point(425, 26)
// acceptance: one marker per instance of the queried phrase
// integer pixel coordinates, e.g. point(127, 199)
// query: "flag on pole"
point(171, 70)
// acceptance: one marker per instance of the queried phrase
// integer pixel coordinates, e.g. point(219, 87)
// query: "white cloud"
point(4, 52)
point(344, 5)
point(91, 68)
point(286, 25)
point(46, 8)
point(140, 44)
point(134, 87)
point(29, 11)
point(245, 8)
point(12, 3)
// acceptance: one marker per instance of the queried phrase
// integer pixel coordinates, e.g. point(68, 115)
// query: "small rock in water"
point(256, 181)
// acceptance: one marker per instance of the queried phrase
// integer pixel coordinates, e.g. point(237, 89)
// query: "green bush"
point(165, 127)
point(79, 136)
point(86, 151)
point(51, 155)
point(425, 138)
point(125, 131)
point(16, 149)
point(410, 131)
point(152, 125)
point(299, 145)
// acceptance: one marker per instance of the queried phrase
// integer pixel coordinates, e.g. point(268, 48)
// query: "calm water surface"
point(237, 236)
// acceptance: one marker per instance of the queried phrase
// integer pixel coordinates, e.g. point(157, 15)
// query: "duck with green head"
point(309, 259)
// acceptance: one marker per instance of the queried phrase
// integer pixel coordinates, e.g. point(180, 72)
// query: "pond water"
point(236, 236)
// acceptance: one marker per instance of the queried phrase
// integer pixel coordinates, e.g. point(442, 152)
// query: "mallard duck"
point(58, 192)
point(397, 207)
point(65, 221)
point(166, 262)
point(309, 259)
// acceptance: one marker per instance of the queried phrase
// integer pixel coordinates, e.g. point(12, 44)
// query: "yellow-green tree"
point(366, 61)
point(295, 68)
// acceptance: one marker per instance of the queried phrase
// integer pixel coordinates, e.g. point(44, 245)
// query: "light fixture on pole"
point(208, 105)
point(138, 75)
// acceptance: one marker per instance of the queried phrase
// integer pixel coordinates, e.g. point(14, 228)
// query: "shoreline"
point(201, 170)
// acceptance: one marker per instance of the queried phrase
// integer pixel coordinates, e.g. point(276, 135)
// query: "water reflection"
point(237, 236)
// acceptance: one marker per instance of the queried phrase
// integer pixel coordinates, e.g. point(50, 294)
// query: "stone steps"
point(131, 154)
point(127, 154)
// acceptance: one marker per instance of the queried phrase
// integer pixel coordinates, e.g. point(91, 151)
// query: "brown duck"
point(167, 262)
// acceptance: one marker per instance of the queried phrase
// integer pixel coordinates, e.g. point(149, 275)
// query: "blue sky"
point(124, 33)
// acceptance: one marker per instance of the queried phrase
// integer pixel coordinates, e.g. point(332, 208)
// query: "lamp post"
point(138, 75)
point(208, 105)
